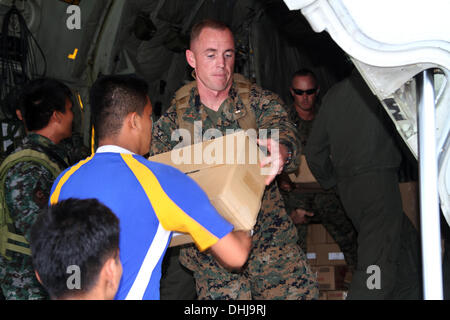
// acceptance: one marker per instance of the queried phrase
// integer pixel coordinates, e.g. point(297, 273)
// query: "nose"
point(220, 61)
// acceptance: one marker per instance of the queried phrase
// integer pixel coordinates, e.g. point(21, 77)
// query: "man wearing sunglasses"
point(351, 147)
point(317, 205)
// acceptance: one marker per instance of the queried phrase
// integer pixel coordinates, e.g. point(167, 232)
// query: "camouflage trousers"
point(277, 268)
point(273, 273)
point(328, 211)
point(18, 281)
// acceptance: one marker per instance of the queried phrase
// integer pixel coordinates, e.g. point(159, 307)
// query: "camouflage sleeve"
point(27, 190)
point(272, 115)
point(162, 132)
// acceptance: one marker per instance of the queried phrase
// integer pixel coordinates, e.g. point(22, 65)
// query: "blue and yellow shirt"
point(151, 200)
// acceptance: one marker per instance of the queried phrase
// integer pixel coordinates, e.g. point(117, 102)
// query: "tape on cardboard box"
point(329, 254)
point(337, 295)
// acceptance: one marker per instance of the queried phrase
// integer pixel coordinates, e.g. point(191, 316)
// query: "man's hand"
point(299, 216)
point(284, 183)
point(276, 159)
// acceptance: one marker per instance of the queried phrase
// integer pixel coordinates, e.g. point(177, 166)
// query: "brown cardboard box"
point(410, 201)
point(337, 295)
point(330, 239)
point(228, 170)
point(329, 254)
point(303, 175)
point(318, 233)
point(311, 254)
point(323, 295)
point(330, 277)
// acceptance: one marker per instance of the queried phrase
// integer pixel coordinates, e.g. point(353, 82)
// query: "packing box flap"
point(228, 170)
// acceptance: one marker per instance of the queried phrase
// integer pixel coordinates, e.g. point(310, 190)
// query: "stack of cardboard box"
point(327, 260)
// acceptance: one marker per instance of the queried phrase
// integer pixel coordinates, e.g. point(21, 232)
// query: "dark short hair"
point(206, 23)
point(112, 98)
point(40, 98)
point(304, 72)
point(73, 232)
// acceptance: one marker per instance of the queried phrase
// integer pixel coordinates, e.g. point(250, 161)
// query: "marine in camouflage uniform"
point(325, 205)
point(277, 268)
point(27, 188)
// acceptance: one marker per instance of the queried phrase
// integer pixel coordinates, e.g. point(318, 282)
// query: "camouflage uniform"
point(277, 268)
point(27, 189)
point(326, 206)
point(74, 148)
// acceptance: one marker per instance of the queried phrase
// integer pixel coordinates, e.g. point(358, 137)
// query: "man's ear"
point(19, 114)
point(112, 273)
point(37, 277)
point(56, 116)
point(190, 58)
point(134, 120)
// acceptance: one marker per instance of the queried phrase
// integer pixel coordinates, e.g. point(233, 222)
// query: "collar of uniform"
point(294, 117)
point(233, 107)
point(194, 111)
point(113, 149)
point(40, 140)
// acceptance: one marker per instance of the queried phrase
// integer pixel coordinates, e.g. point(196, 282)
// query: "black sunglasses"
point(300, 92)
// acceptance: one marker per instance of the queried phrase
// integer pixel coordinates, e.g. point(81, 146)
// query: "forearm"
point(274, 118)
point(232, 250)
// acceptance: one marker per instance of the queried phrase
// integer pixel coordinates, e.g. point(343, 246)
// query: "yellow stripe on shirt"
point(55, 195)
point(177, 220)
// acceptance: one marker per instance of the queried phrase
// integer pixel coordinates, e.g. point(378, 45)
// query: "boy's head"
point(75, 250)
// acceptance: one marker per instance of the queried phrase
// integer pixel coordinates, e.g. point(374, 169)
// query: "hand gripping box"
point(228, 169)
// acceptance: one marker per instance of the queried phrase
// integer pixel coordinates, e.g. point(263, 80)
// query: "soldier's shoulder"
point(265, 95)
point(169, 115)
point(26, 171)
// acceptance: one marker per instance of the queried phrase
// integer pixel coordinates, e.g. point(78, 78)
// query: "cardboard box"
point(329, 254)
point(303, 175)
point(323, 295)
point(330, 239)
point(228, 170)
point(179, 239)
point(311, 254)
point(330, 277)
point(318, 234)
point(337, 295)
point(410, 201)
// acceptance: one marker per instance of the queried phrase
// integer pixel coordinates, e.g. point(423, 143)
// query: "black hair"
point(40, 98)
point(112, 98)
point(304, 72)
point(73, 232)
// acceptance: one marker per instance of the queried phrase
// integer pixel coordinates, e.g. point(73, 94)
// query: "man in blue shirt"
point(150, 199)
